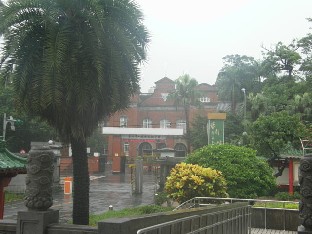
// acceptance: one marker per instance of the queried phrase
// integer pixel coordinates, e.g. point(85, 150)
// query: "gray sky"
point(193, 36)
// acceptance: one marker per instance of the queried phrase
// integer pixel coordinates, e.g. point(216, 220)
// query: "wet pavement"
point(105, 189)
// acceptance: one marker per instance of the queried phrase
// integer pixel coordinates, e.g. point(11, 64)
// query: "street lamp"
point(244, 91)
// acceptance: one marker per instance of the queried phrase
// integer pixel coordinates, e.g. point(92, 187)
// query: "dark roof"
point(165, 79)
point(11, 163)
point(205, 87)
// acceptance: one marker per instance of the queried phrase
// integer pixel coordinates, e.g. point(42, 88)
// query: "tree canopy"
point(272, 133)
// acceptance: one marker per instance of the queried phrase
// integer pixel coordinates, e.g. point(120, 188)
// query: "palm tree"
point(75, 62)
point(185, 95)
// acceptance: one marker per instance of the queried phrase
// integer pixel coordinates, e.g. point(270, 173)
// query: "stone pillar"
point(38, 196)
point(305, 207)
point(138, 176)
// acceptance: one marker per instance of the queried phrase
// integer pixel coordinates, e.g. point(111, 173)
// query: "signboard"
point(215, 128)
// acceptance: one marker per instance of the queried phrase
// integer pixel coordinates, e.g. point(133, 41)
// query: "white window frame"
point(126, 147)
point(147, 123)
point(204, 99)
point(123, 121)
point(164, 123)
point(181, 124)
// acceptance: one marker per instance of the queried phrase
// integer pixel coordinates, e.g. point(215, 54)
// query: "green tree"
point(97, 141)
point(198, 132)
point(239, 71)
point(271, 134)
point(28, 128)
point(74, 62)
point(233, 129)
point(259, 104)
point(281, 59)
point(185, 96)
point(247, 176)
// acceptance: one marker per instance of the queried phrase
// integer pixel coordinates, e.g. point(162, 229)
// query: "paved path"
point(105, 190)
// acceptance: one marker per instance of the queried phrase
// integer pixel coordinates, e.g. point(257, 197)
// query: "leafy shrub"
point(10, 197)
point(160, 198)
point(285, 196)
point(247, 176)
point(187, 181)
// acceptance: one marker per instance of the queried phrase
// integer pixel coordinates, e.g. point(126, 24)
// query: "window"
point(164, 123)
point(147, 123)
point(181, 124)
point(204, 99)
point(164, 96)
point(180, 150)
point(145, 148)
point(123, 121)
point(126, 148)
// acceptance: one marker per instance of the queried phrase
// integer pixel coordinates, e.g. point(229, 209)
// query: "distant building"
point(153, 122)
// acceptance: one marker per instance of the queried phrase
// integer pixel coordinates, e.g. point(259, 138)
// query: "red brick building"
point(153, 121)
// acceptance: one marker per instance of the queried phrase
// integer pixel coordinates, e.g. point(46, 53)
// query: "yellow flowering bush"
point(188, 180)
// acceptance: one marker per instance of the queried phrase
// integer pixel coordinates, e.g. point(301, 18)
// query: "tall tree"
point(75, 62)
point(282, 58)
point(239, 71)
point(185, 96)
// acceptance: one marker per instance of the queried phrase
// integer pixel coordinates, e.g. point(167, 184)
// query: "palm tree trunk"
point(81, 182)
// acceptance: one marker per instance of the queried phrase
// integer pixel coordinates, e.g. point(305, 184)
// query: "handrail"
point(196, 200)
point(200, 201)
point(170, 223)
point(235, 220)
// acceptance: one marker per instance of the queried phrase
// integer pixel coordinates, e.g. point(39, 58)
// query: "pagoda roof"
point(11, 163)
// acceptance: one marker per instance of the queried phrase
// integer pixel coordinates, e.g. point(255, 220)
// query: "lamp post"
point(244, 133)
point(244, 91)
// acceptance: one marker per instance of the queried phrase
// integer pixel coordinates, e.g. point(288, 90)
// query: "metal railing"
point(175, 226)
point(206, 201)
point(235, 221)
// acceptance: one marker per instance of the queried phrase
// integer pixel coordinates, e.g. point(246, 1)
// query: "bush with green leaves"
point(247, 176)
point(285, 196)
point(187, 181)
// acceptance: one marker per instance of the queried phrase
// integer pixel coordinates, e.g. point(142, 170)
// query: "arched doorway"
point(180, 150)
point(145, 148)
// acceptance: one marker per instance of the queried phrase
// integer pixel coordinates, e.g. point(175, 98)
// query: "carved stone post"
point(38, 197)
point(305, 207)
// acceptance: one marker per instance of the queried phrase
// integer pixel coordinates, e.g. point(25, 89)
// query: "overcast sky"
point(193, 36)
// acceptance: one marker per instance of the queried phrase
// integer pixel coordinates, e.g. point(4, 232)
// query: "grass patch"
point(10, 197)
point(277, 205)
point(127, 212)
